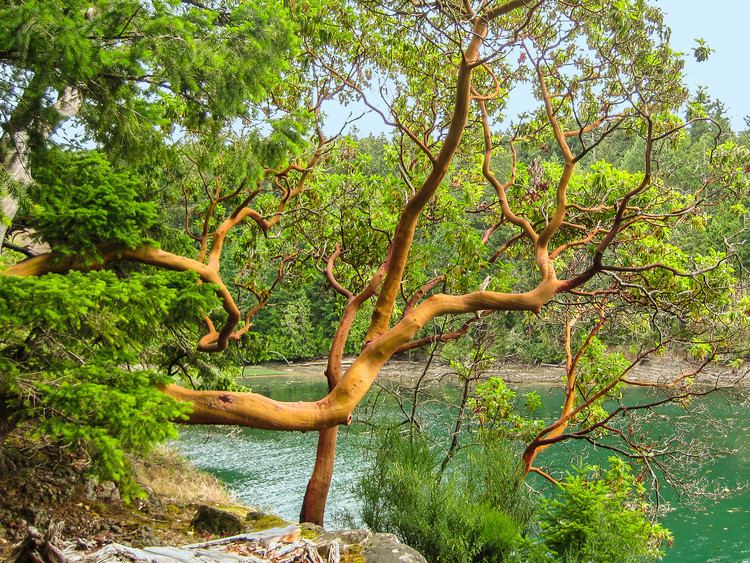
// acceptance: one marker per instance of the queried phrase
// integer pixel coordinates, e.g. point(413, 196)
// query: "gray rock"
point(386, 548)
point(108, 492)
point(374, 548)
point(345, 537)
point(105, 492)
point(215, 521)
point(89, 488)
point(146, 537)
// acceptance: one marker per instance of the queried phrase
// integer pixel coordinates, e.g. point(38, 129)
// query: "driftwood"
point(277, 545)
point(115, 553)
point(38, 548)
point(268, 537)
point(334, 553)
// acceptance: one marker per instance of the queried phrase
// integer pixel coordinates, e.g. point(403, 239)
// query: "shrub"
point(601, 516)
point(81, 201)
point(476, 511)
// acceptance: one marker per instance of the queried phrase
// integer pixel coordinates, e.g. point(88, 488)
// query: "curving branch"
point(558, 216)
point(331, 277)
point(501, 189)
point(557, 428)
point(404, 234)
point(579, 242)
point(617, 223)
point(440, 338)
point(421, 292)
point(214, 340)
point(262, 297)
point(677, 380)
point(251, 409)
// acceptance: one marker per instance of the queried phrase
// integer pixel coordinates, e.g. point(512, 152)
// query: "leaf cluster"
point(81, 356)
point(80, 202)
point(601, 515)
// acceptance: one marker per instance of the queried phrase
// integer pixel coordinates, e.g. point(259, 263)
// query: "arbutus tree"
point(441, 75)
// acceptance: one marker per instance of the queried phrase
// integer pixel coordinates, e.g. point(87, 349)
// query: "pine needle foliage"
point(81, 356)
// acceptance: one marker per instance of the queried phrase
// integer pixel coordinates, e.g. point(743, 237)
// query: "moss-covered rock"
point(215, 521)
point(257, 521)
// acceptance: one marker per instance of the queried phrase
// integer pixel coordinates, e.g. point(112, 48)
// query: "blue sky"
point(724, 24)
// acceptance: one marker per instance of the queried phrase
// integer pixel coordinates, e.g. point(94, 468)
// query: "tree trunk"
point(17, 168)
point(316, 494)
point(16, 163)
point(313, 506)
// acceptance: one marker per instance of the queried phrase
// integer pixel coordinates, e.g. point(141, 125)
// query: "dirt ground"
point(49, 486)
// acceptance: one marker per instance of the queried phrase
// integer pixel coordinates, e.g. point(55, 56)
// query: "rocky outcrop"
point(50, 512)
point(215, 521)
point(363, 545)
point(386, 548)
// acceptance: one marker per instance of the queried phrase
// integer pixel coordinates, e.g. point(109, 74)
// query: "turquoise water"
point(270, 469)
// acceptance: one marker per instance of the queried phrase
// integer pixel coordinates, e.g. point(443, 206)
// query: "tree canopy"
point(214, 186)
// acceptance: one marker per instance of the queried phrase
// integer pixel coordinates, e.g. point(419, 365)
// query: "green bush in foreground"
point(81, 354)
point(480, 509)
point(474, 515)
point(601, 516)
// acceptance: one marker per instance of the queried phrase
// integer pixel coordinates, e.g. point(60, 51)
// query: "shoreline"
point(649, 372)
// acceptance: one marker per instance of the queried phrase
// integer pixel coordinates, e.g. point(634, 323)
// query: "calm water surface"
point(270, 469)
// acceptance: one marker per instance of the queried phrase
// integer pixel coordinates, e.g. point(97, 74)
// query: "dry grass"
point(171, 477)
